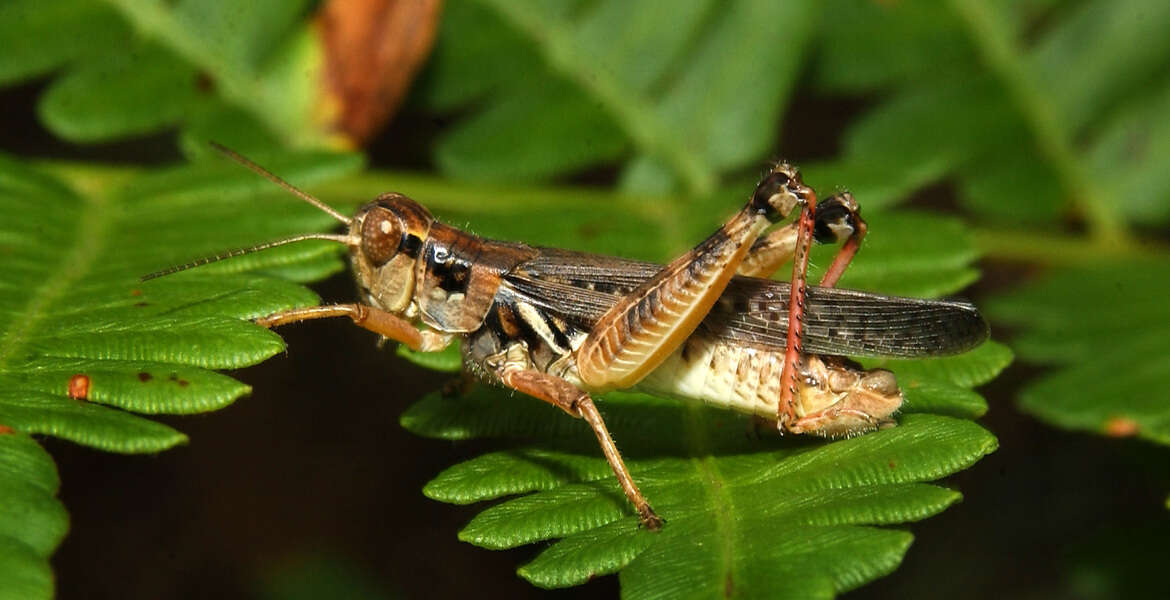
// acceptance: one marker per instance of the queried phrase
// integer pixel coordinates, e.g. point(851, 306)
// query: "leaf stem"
point(1059, 249)
point(991, 39)
point(715, 486)
point(444, 194)
point(629, 109)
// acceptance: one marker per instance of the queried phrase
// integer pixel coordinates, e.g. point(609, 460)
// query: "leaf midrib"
point(719, 498)
point(721, 507)
point(1005, 60)
point(93, 223)
point(630, 110)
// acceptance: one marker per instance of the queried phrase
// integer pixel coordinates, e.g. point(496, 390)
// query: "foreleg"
point(377, 320)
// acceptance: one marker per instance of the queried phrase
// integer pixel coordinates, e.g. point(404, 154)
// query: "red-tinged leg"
point(839, 217)
point(793, 350)
point(834, 219)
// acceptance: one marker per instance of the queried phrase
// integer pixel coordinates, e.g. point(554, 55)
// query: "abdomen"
point(737, 378)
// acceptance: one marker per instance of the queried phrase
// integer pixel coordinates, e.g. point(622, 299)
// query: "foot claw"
point(651, 520)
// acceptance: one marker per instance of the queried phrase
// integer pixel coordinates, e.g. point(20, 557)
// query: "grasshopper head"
point(391, 231)
point(383, 238)
point(838, 399)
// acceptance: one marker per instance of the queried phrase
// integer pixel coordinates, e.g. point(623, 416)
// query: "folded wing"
point(753, 312)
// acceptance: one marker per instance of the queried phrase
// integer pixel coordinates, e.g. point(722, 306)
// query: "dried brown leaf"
point(373, 49)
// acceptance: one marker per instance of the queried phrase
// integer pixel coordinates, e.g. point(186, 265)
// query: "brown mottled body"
point(557, 325)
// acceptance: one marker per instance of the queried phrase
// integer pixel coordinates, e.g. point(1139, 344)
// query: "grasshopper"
point(560, 325)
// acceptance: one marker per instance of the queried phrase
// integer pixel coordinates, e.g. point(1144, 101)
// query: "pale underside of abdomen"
point(737, 378)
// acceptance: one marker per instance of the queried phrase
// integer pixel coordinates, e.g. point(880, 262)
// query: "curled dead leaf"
point(373, 49)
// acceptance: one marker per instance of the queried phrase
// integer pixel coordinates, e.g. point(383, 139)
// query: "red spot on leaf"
point(1121, 427)
point(6, 430)
point(143, 376)
point(183, 382)
point(893, 464)
point(141, 304)
point(79, 387)
point(135, 292)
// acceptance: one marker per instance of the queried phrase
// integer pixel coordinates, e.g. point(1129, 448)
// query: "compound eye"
point(381, 235)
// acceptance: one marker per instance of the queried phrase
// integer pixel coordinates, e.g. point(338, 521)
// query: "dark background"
point(312, 474)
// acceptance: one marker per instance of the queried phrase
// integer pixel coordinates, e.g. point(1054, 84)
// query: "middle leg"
point(564, 395)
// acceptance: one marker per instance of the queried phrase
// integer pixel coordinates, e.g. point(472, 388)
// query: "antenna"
point(199, 262)
point(269, 175)
point(290, 188)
